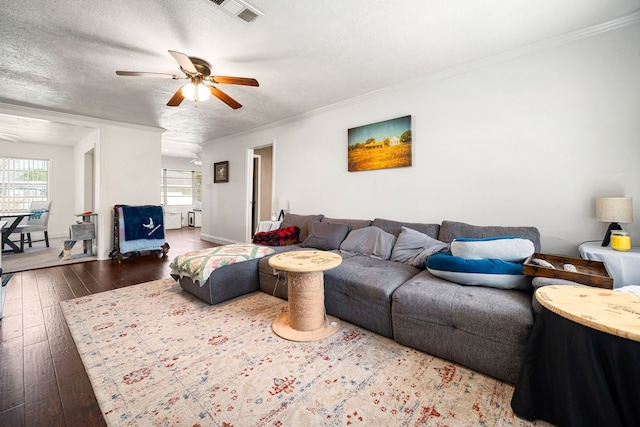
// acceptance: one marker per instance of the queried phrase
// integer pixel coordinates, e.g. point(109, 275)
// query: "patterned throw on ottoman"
point(198, 265)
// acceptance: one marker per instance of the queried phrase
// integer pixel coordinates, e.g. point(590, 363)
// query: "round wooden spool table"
point(306, 319)
point(582, 362)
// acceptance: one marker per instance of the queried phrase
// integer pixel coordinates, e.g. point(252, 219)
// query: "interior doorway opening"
point(89, 183)
point(260, 187)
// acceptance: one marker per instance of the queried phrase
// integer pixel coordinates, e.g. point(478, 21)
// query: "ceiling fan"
point(198, 71)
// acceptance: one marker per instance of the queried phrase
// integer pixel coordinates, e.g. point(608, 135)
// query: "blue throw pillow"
point(489, 272)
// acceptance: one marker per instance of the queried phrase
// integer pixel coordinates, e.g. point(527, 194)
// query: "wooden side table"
point(306, 319)
point(582, 361)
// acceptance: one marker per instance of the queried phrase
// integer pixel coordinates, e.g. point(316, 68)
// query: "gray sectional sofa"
point(482, 328)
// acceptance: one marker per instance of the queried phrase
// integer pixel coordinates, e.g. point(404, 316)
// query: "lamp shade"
point(283, 204)
point(614, 209)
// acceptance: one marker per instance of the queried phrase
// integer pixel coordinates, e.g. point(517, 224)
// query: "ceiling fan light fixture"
point(196, 92)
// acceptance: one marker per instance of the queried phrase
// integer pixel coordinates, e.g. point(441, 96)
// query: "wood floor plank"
point(77, 287)
point(62, 288)
point(32, 314)
point(13, 295)
point(29, 289)
point(79, 401)
point(42, 403)
point(48, 295)
point(13, 417)
point(12, 374)
point(34, 335)
point(11, 327)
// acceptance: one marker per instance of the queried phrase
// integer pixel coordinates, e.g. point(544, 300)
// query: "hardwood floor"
point(42, 379)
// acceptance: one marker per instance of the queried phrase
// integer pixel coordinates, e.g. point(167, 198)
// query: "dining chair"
point(37, 222)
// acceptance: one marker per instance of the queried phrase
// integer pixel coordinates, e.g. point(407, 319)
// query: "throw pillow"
point(506, 248)
point(414, 247)
point(325, 236)
point(300, 221)
point(369, 241)
point(494, 273)
point(352, 223)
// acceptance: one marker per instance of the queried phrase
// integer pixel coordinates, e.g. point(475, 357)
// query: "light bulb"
point(188, 91)
point(203, 92)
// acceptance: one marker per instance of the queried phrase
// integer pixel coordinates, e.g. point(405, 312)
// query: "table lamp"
point(613, 210)
point(283, 205)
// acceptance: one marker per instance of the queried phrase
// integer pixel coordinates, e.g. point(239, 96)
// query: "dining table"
point(13, 220)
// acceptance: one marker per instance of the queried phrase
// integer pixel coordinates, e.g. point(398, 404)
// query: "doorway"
point(260, 187)
point(89, 183)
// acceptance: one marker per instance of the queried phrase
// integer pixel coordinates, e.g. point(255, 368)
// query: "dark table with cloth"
point(575, 375)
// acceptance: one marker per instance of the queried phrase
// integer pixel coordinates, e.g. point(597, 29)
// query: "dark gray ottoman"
point(226, 282)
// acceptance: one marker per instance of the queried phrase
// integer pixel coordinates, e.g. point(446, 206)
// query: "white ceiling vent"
point(239, 9)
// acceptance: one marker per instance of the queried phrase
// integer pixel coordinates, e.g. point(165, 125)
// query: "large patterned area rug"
point(155, 355)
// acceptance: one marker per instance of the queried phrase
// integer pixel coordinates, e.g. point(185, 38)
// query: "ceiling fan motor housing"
point(200, 65)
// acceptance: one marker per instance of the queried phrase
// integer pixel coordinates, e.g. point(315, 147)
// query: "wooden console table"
point(306, 319)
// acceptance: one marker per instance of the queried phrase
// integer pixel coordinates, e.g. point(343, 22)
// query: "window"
point(22, 181)
point(180, 187)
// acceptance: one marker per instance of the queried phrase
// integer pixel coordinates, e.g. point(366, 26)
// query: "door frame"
point(249, 184)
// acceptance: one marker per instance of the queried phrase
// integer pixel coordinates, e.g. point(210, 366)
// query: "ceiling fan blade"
point(143, 74)
point(234, 80)
point(176, 99)
point(184, 61)
point(224, 97)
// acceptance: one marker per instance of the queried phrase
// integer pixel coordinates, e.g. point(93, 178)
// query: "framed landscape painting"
point(380, 145)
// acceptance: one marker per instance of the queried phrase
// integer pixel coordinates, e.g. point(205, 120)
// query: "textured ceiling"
point(62, 56)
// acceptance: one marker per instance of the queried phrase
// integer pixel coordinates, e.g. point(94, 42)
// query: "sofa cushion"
point(369, 241)
point(300, 221)
point(359, 291)
point(506, 248)
point(450, 230)
point(483, 328)
point(540, 282)
point(413, 247)
point(395, 227)
point(325, 236)
point(353, 224)
point(493, 273)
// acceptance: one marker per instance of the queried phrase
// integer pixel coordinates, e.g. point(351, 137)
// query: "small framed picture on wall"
point(221, 172)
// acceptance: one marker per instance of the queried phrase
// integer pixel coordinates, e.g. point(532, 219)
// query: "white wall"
point(129, 162)
point(530, 139)
point(61, 189)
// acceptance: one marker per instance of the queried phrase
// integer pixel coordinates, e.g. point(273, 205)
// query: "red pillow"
point(280, 237)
